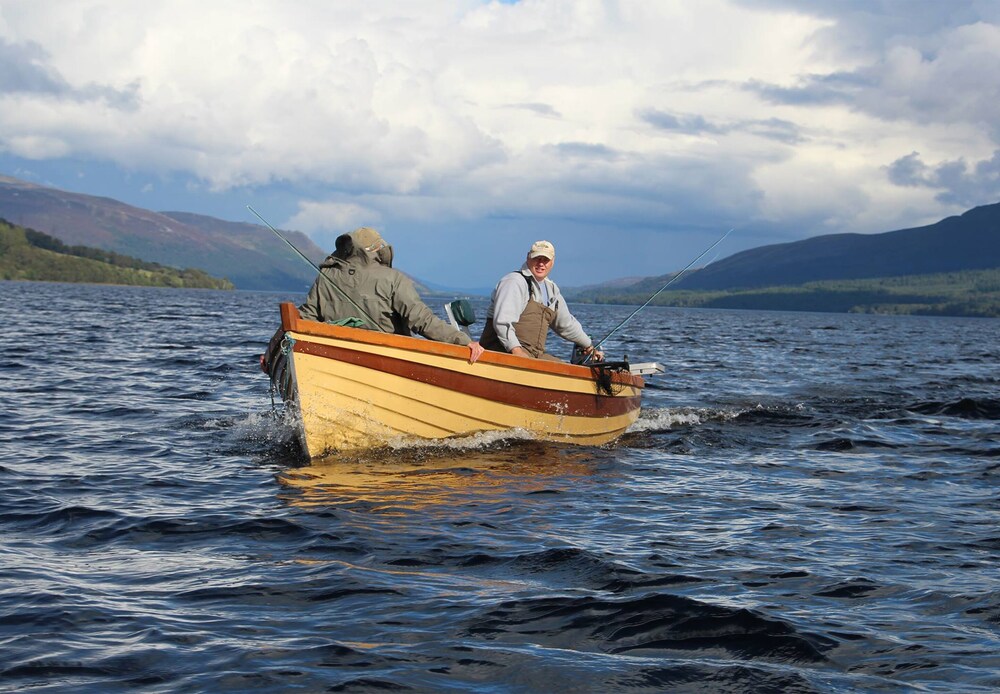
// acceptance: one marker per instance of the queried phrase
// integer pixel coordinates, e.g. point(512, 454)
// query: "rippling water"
point(809, 502)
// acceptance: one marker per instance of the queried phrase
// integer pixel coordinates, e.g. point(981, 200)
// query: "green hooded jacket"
point(385, 294)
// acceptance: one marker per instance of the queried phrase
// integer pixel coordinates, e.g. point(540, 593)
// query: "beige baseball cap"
point(367, 238)
point(543, 248)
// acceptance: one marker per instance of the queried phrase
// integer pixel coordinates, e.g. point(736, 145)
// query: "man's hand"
point(475, 351)
point(595, 354)
point(520, 352)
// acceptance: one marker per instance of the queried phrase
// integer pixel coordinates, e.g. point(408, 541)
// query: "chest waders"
point(531, 328)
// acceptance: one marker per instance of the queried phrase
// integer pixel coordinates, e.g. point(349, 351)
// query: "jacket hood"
point(363, 245)
point(347, 251)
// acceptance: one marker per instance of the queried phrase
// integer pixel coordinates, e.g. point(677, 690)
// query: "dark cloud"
point(24, 69)
point(908, 170)
point(126, 99)
point(921, 61)
point(815, 90)
point(685, 124)
point(584, 150)
point(541, 109)
point(866, 25)
point(770, 128)
point(775, 129)
point(961, 84)
point(959, 185)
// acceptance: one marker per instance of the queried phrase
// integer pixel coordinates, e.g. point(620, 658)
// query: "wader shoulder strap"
point(531, 285)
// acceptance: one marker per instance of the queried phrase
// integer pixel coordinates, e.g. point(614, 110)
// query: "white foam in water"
point(482, 439)
point(261, 427)
point(659, 419)
point(655, 419)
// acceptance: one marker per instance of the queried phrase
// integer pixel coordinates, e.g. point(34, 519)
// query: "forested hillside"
point(970, 241)
point(26, 254)
point(246, 253)
point(968, 293)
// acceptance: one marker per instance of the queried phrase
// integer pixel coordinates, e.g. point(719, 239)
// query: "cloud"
point(859, 30)
point(586, 115)
point(23, 69)
point(815, 90)
point(932, 63)
point(541, 109)
point(234, 100)
point(769, 128)
point(957, 182)
point(684, 124)
point(585, 150)
point(327, 220)
point(775, 129)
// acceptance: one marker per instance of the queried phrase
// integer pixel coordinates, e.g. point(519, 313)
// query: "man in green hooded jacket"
point(359, 283)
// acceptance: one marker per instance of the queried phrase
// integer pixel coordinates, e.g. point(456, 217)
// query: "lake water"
point(808, 503)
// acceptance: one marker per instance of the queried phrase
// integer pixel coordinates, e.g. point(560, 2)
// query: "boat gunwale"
point(292, 321)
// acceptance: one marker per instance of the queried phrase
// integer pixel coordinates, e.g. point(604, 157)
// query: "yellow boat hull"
point(356, 389)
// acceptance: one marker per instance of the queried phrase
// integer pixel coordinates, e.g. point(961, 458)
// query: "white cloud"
point(328, 220)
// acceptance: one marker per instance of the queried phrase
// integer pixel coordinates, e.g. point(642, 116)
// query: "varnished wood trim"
point(289, 316)
point(527, 397)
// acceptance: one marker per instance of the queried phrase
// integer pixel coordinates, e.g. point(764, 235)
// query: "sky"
point(631, 134)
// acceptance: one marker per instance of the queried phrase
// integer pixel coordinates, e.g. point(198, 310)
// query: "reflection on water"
point(428, 477)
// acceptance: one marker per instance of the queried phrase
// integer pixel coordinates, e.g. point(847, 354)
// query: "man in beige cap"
point(525, 304)
point(359, 287)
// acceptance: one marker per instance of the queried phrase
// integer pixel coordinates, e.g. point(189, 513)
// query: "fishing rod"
point(671, 281)
point(316, 268)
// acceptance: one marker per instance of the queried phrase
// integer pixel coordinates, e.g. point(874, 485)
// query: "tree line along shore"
point(966, 293)
point(26, 254)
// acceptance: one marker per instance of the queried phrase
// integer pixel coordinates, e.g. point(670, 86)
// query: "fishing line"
point(671, 281)
point(320, 272)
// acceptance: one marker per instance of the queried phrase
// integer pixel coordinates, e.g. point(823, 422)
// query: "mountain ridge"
point(970, 241)
point(248, 254)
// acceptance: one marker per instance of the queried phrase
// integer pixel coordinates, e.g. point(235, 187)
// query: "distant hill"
point(611, 285)
point(966, 293)
point(248, 254)
point(967, 242)
point(26, 254)
point(630, 287)
point(948, 268)
point(440, 290)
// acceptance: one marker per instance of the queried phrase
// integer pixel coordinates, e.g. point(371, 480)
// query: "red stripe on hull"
point(527, 397)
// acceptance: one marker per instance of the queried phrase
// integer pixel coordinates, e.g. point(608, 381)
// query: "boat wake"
point(657, 419)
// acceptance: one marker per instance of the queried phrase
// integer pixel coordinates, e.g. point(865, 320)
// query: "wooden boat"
point(354, 389)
